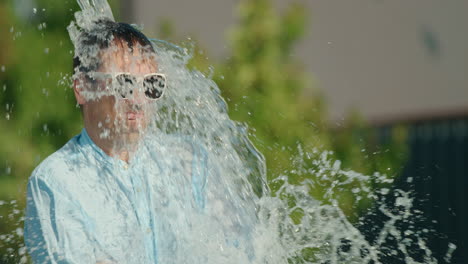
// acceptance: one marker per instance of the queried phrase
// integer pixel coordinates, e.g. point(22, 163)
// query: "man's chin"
point(133, 129)
point(135, 126)
point(128, 138)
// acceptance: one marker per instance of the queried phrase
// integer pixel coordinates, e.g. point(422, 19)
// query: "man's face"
point(113, 117)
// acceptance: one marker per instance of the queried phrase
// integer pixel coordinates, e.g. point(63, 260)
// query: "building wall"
point(389, 59)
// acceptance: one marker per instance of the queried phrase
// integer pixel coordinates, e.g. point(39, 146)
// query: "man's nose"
point(137, 99)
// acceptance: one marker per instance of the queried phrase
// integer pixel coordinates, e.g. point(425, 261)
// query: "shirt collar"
point(86, 141)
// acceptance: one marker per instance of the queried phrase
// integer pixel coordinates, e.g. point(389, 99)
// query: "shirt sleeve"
point(55, 227)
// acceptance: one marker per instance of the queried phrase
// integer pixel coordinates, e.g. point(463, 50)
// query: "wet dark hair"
point(102, 35)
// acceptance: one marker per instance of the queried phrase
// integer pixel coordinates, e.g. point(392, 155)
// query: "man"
point(93, 201)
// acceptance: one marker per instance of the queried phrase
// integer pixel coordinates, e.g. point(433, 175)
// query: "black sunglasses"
point(124, 83)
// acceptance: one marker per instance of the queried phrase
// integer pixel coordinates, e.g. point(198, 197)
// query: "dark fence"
point(437, 172)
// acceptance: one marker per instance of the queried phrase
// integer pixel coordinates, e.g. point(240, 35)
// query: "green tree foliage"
point(266, 88)
point(38, 111)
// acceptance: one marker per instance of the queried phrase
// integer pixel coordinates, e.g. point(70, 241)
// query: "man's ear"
point(78, 88)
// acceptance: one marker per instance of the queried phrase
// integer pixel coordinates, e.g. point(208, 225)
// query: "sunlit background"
point(382, 84)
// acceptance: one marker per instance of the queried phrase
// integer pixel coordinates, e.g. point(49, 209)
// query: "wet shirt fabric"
point(86, 207)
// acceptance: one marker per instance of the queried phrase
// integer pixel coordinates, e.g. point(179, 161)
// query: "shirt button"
point(125, 166)
point(148, 230)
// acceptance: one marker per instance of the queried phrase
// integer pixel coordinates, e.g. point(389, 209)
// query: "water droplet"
point(12, 29)
point(3, 68)
point(384, 191)
point(105, 134)
point(19, 231)
point(8, 171)
point(336, 165)
point(44, 127)
point(46, 50)
point(403, 201)
point(34, 10)
point(7, 116)
point(23, 259)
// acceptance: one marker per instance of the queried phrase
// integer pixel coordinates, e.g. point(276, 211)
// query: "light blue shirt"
point(84, 206)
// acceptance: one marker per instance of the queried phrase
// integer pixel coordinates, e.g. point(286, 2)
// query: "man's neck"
point(116, 146)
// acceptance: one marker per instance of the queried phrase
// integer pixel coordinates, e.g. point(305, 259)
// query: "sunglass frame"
point(139, 80)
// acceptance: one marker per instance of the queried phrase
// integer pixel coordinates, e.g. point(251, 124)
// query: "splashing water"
point(245, 222)
point(92, 10)
point(11, 243)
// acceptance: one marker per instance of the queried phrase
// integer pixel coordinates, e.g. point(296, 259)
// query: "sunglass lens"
point(125, 85)
point(154, 86)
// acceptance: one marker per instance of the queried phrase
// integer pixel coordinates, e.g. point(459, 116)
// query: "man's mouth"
point(134, 115)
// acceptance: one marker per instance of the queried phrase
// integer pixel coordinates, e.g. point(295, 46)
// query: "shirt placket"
point(141, 205)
